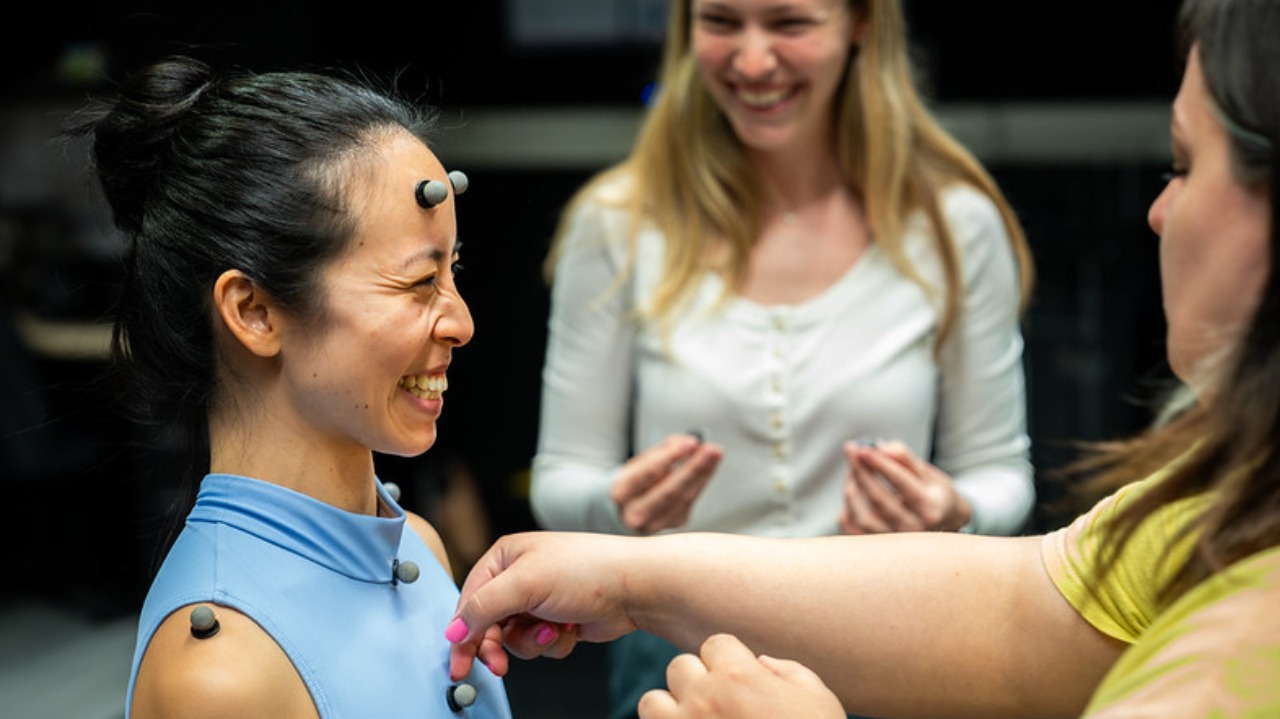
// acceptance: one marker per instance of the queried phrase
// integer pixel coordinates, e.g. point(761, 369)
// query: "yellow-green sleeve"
point(1124, 605)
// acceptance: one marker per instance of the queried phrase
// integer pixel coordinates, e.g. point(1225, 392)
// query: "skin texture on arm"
point(240, 672)
point(910, 624)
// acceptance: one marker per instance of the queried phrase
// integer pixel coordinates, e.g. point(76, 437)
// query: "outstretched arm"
point(911, 624)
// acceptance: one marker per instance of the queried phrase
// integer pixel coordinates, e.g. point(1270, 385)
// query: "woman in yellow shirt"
point(1162, 601)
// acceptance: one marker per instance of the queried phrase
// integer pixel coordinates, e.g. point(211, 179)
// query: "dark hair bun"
point(134, 136)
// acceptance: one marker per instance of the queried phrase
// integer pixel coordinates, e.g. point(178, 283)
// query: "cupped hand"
point(889, 489)
point(726, 679)
point(537, 594)
point(656, 489)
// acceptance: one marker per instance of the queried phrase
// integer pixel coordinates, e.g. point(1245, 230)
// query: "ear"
point(247, 312)
point(859, 27)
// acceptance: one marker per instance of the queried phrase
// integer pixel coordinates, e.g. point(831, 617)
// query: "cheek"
point(1214, 263)
point(710, 55)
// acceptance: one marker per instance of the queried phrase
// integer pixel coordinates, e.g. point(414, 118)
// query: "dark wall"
point(996, 50)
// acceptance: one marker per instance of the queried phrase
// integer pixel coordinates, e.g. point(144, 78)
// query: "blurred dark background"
point(1068, 112)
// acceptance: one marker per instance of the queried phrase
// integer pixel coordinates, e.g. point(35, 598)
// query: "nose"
point(754, 56)
point(454, 325)
point(1155, 213)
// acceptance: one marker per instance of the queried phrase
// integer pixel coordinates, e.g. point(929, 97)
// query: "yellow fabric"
point(1214, 653)
point(1124, 605)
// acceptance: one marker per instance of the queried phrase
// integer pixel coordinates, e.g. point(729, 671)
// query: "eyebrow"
point(434, 254)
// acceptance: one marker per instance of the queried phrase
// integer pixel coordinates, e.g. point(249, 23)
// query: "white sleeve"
point(584, 426)
point(981, 438)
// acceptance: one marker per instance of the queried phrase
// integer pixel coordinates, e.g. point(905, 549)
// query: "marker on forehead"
point(430, 193)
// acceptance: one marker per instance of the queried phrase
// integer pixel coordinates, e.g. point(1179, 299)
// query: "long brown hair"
point(1227, 445)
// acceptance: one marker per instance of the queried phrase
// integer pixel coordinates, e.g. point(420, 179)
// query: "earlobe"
point(247, 313)
point(858, 30)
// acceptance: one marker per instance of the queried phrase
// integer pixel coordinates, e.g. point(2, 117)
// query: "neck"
point(793, 183)
point(283, 451)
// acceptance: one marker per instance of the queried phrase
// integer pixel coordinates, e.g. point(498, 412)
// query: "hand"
point(656, 489)
point(537, 594)
point(728, 680)
point(889, 489)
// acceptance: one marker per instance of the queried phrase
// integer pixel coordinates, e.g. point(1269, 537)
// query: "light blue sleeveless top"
point(320, 581)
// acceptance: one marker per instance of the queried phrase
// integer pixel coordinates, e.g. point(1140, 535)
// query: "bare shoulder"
point(429, 535)
point(239, 671)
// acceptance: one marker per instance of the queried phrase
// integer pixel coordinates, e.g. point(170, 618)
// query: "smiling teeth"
point(762, 99)
point(425, 386)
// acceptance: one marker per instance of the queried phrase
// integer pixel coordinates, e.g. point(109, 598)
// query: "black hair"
point(207, 172)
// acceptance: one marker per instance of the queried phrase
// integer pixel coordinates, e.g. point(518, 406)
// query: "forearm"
point(898, 625)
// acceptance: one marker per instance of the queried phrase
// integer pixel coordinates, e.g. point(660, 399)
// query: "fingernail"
point(545, 635)
point(456, 631)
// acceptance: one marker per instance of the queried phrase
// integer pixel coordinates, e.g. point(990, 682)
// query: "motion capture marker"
point(696, 434)
point(405, 571)
point(459, 181)
point(203, 623)
point(393, 489)
point(430, 193)
point(460, 696)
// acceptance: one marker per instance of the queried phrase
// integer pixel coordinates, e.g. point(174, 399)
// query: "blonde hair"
point(892, 153)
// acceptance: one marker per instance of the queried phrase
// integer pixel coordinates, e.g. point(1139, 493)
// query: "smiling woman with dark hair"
point(291, 303)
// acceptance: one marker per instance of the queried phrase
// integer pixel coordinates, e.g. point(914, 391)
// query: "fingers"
point(879, 486)
point(688, 678)
point(536, 593)
point(495, 594)
point(527, 638)
point(727, 680)
point(874, 492)
point(792, 671)
point(858, 516)
point(651, 466)
point(667, 501)
point(912, 494)
point(683, 672)
point(657, 704)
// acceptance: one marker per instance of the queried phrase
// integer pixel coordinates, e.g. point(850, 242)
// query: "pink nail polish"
point(545, 635)
point(456, 631)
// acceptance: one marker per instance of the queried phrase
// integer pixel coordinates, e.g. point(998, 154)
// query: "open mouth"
point(763, 99)
point(425, 386)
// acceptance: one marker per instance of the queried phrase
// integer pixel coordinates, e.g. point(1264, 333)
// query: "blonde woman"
point(793, 310)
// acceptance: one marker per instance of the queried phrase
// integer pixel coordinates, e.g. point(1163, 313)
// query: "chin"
point(410, 449)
